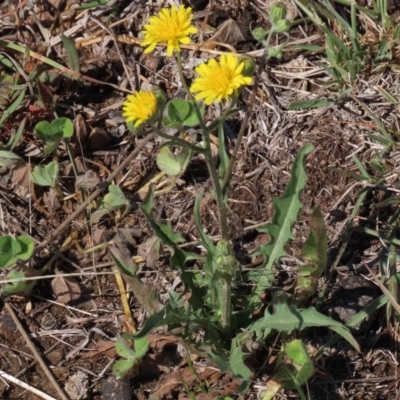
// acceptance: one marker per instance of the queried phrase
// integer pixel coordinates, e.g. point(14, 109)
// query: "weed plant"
point(210, 316)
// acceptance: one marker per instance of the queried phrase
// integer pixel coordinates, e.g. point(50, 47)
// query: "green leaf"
point(123, 349)
point(315, 253)
point(22, 287)
point(168, 162)
point(52, 133)
point(122, 367)
point(141, 347)
point(288, 318)
point(205, 240)
point(236, 361)
point(287, 208)
point(72, 53)
point(9, 248)
point(182, 113)
point(191, 119)
point(155, 320)
point(179, 257)
point(27, 246)
point(15, 137)
point(178, 110)
point(64, 126)
point(291, 374)
point(8, 159)
point(45, 176)
point(115, 198)
point(13, 107)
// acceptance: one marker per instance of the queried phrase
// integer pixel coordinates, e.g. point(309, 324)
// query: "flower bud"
point(161, 98)
point(282, 26)
point(259, 33)
point(249, 65)
point(277, 12)
point(275, 52)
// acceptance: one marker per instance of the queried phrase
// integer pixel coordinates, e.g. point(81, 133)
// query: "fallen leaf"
point(103, 348)
point(65, 289)
point(229, 32)
point(150, 250)
point(20, 176)
point(175, 380)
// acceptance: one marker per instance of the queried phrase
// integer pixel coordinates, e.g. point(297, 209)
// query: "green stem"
point(226, 278)
point(249, 111)
point(178, 141)
point(208, 155)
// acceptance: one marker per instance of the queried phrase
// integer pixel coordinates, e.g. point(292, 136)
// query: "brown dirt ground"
point(78, 336)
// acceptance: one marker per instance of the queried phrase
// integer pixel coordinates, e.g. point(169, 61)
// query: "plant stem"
point(177, 141)
point(226, 277)
point(249, 111)
point(208, 155)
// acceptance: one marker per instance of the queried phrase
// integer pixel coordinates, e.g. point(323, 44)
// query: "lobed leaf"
point(287, 208)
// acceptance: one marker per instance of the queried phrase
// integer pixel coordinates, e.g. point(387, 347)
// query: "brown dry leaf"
point(229, 32)
point(87, 181)
point(65, 289)
point(20, 176)
point(103, 348)
point(51, 201)
point(174, 381)
point(81, 134)
point(151, 250)
point(158, 342)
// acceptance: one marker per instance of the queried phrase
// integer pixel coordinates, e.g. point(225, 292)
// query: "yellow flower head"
point(139, 107)
point(219, 81)
point(171, 26)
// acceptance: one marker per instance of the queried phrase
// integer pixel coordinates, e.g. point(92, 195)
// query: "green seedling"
point(132, 355)
point(13, 250)
point(52, 133)
point(46, 175)
point(291, 373)
point(20, 287)
point(114, 199)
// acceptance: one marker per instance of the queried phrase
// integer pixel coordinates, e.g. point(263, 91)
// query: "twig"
point(95, 194)
point(26, 386)
point(36, 354)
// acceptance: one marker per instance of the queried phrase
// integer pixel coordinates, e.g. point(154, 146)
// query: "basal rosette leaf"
point(287, 208)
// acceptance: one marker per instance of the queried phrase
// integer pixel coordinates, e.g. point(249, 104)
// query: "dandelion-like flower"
point(139, 107)
point(171, 25)
point(219, 81)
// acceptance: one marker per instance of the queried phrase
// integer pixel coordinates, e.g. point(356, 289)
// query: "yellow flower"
point(171, 26)
point(219, 81)
point(139, 107)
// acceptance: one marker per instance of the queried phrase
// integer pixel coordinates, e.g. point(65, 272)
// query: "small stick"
point(35, 353)
point(25, 386)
